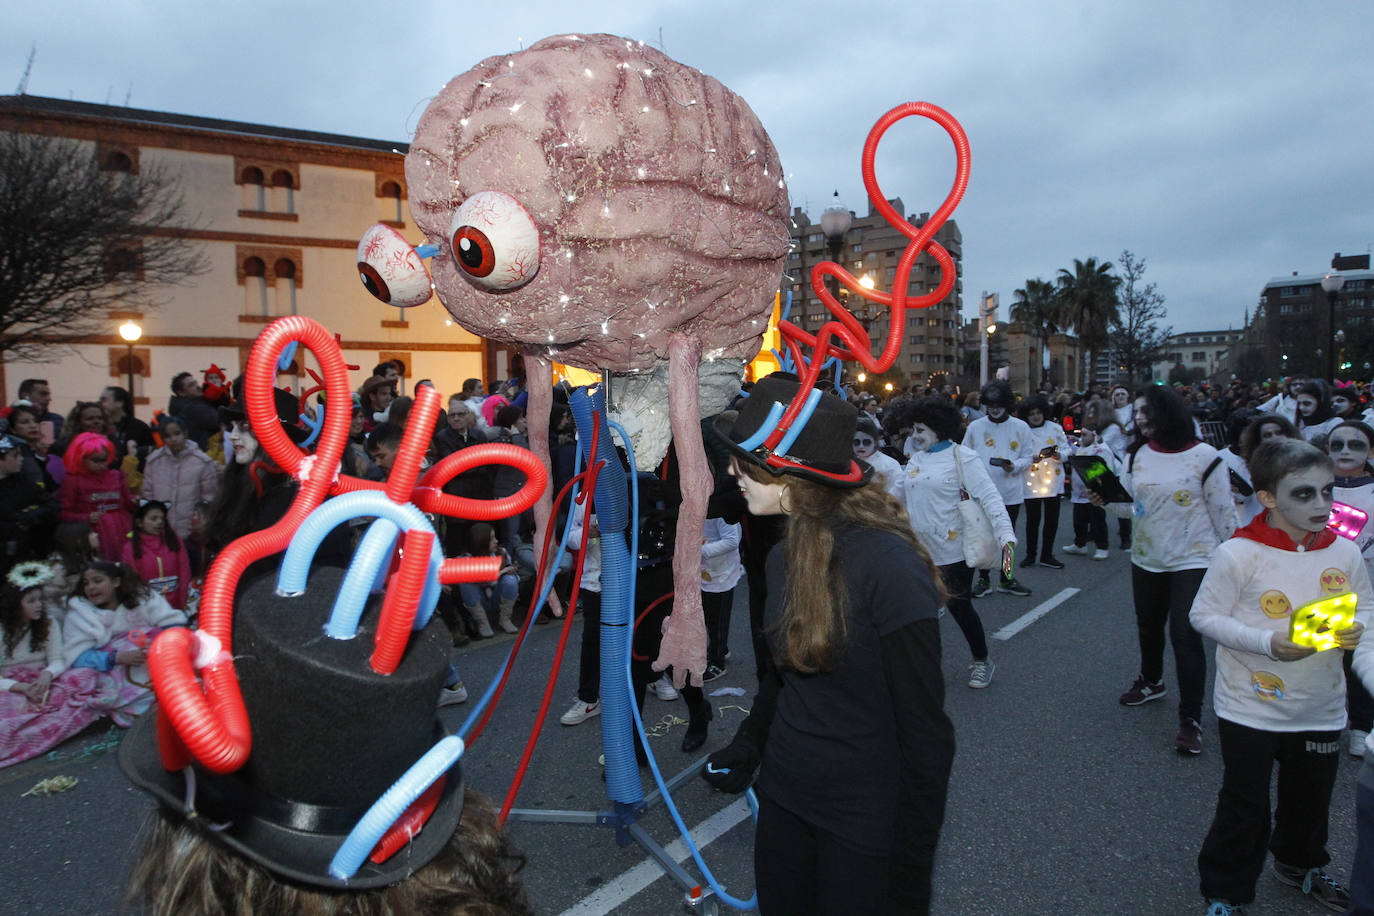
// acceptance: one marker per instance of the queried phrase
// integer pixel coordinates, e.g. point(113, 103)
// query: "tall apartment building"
point(871, 247)
point(277, 214)
point(1295, 320)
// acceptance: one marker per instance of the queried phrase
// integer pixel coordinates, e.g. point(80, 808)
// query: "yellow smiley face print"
point(1183, 498)
point(1275, 604)
point(1334, 581)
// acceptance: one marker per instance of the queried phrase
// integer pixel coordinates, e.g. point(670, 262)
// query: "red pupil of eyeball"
point(472, 249)
point(373, 281)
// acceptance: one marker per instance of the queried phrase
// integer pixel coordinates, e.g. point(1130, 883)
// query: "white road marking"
point(1031, 616)
point(624, 886)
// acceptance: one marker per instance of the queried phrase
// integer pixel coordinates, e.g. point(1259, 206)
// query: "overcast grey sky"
point(1226, 142)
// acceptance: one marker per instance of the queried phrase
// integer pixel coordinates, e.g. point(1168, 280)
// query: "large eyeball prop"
point(494, 241)
point(391, 270)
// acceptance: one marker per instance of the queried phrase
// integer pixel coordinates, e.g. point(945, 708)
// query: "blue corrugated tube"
point(611, 505)
point(373, 825)
point(363, 571)
point(737, 903)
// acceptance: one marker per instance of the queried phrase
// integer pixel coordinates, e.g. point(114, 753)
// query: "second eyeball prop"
point(391, 269)
point(494, 241)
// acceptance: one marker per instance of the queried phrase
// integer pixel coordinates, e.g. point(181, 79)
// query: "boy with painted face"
point(1276, 699)
point(1004, 444)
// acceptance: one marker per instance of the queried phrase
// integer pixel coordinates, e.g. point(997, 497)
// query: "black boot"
point(698, 727)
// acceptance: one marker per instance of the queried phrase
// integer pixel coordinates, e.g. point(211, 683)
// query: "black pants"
point(1164, 598)
point(715, 607)
point(1232, 855)
point(800, 870)
point(1012, 513)
point(589, 662)
point(958, 579)
point(1046, 508)
point(1359, 704)
point(1089, 524)
point(1123, 529)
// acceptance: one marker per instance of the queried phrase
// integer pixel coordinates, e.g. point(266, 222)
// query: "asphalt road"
point(1061, 801)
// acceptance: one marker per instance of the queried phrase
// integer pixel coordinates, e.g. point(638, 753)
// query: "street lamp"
point(987, 324)
point(131, 332)
point(1331, 285)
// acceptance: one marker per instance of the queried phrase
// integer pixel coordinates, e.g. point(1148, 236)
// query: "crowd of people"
point(111, 522)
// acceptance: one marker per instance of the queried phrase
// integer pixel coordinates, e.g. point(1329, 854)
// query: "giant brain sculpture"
point(602, 205)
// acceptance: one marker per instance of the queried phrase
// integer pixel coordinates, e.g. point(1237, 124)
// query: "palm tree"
point(1087, 302)
point(1037, 307)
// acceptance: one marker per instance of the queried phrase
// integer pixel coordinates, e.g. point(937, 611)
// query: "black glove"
point(731, 769)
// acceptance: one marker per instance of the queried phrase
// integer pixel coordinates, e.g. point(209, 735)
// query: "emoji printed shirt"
point(1255, 581)
point(1180, 518)
point(1045, 476)
point(1010, 439)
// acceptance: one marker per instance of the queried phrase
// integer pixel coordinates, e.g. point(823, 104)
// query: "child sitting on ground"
point(482, 598)
point(156, 553)
point(109, 625)
point(1276, 699)
point(30, 659)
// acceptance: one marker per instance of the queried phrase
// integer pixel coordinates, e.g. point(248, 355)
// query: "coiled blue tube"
point(373, 825)
point(793, 431)
point(617, 597)
point(765, 429)
point(295, 565)
point(737, 903)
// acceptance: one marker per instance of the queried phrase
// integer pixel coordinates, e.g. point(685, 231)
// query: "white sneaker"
point(1357, 742)
point(1099, 554)
point(580, 712)
point(453, 695)
point(1074, 549)
point(980, 673)
point(664, 688)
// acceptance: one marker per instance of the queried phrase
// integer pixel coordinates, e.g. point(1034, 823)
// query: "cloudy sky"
point(1226, 143)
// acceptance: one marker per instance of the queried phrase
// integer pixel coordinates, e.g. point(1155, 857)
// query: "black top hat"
point(329, 734)
point(823, 450)
point(287, 405)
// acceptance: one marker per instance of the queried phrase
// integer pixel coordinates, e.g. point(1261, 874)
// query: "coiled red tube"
point(209, 718)
point(469, 569)
point(402, 598)
point(409, 823)
point(855, 344)
point(414, 442)
point(428, 496)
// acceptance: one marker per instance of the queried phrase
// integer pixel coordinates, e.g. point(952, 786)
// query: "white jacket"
point(720, 563)
point(932, 500)
point(90, 627)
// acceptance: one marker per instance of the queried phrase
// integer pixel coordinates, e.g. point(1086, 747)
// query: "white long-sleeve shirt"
point(1249, 593)
point(888, 471)
point(51, 656)
point(1045, 476)
point(1009, 439)
point(720, 564)
point(932, 501)
point(1179, 517)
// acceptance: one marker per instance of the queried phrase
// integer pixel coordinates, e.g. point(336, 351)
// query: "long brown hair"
point(181, 871)
point(811, 629)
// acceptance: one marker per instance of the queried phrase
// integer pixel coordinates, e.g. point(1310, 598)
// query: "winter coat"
point(181, 481)
point(167, 571)
point(105, 494)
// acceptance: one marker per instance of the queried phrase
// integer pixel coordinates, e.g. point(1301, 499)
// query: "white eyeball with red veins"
point(494, 241)
point(391, 269)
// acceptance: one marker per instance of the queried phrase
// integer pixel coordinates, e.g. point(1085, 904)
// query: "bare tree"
point(77, 240)
point(1135, 335)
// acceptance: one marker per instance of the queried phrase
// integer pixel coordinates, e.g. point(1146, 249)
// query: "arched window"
point(254, 189)
point(284, 191)
point(118, 161)
point(391, 201)
point(285, 271)
point(255, 287)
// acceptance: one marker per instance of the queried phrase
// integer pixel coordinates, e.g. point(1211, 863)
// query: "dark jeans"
point(1232, 855)
point(1359, 704)
point(1362, 872)
point(1046, 507)
point(1012, 513)
point(715, 608)
point(589, 662)
point(1089, 523)
point(1165, 598)
point(1123, 528)
point(958, 579)
point(800, 870)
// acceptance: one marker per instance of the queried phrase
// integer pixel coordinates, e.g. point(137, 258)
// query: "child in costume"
point(1276, 699)
point(156, 553)
point(1044, 482)
point(1089, 521)
point(1350, 444)
point(109, 625)
point(30, 660)
point(96, 493)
